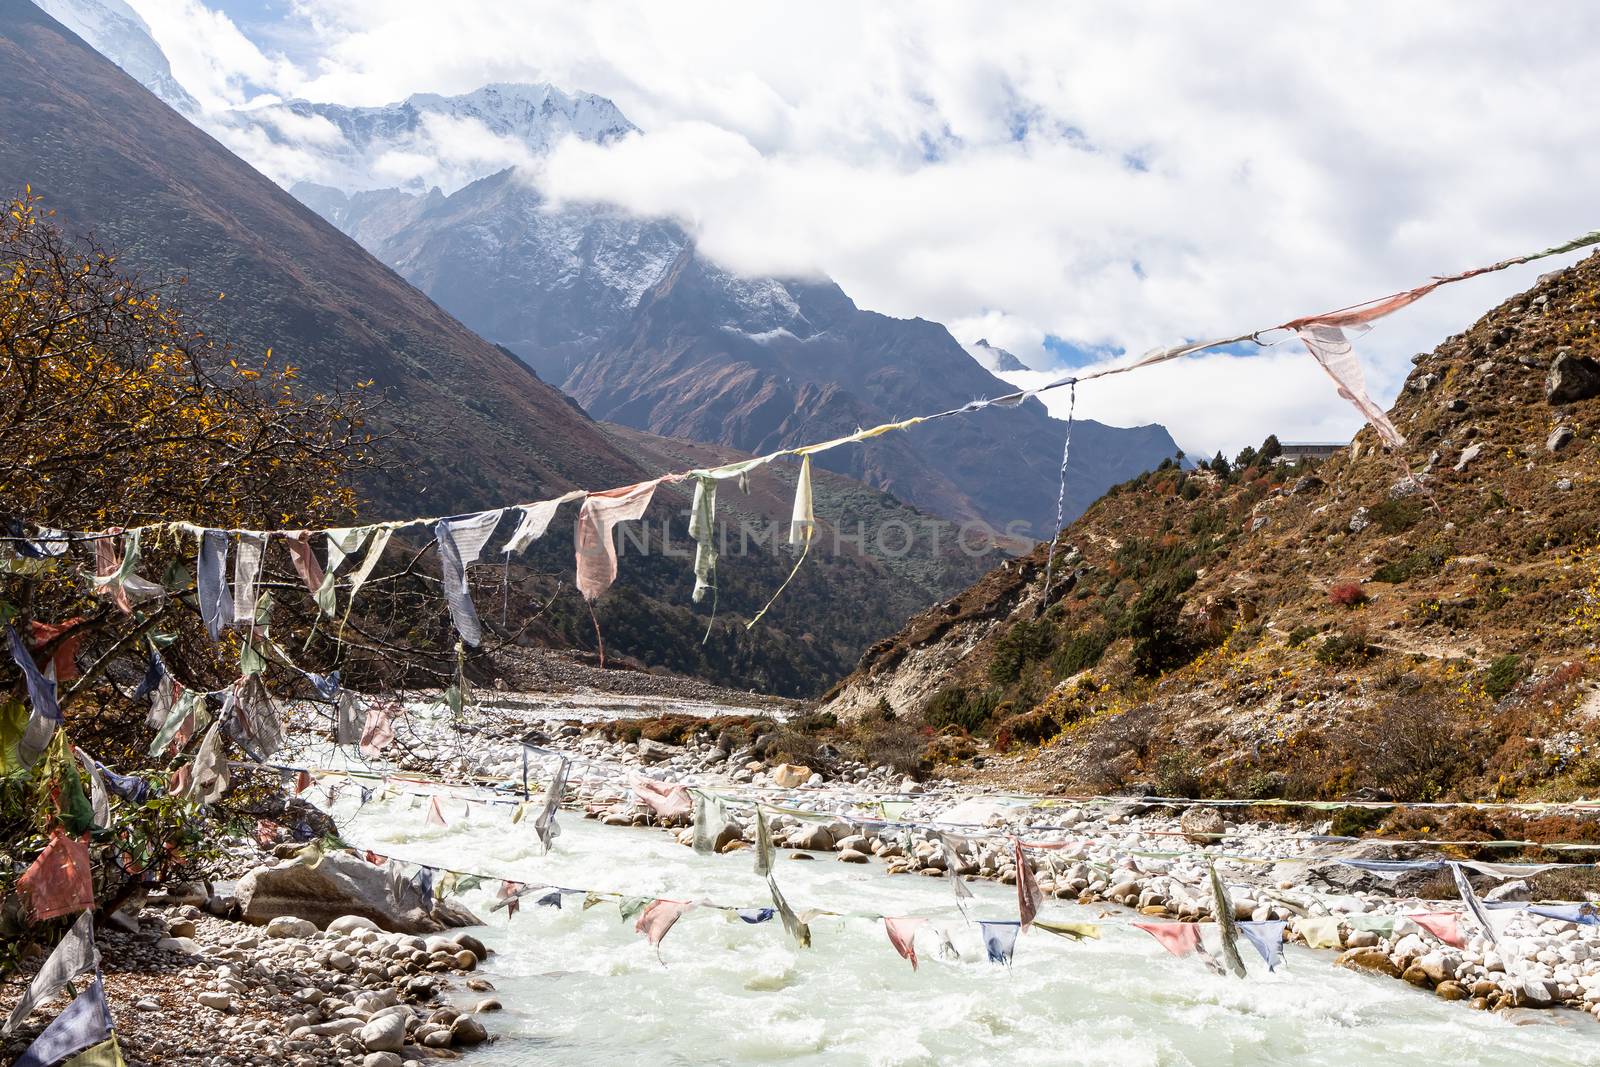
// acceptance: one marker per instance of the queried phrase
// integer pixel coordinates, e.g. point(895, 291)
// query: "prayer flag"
point(702, 528)
point(536, 520)
point(764, 851)
point(1319, 932)
point(73, 955)
point(211, 587)
point(754, 916)
point(803, 519)
point(596, 550)
point(545, 825)
point(1445, 925)
point(435, 816)
point(999, 939)
point(1180, 939)
point(378, 733)
point(1029, 897)
point(667, 801)
point(60, 880)
point(657, 918)
point(1072, 931)
point(1267, 937)
point(304, 560)
point(85, 1023)
point(461, 541)
point(1222, 908)
point(246, 576)
point(797, 929)
point(902, 935)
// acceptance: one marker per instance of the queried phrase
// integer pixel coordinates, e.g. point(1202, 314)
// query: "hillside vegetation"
point(1418, 625)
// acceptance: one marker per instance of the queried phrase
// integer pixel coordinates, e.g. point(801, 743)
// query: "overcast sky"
point(1069, 181)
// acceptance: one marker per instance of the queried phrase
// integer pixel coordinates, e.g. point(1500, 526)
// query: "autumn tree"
point(118, 410)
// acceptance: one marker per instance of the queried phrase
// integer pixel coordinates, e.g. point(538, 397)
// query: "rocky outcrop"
point(340, 886)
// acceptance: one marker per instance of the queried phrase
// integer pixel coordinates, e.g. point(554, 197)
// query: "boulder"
point(386, 1033)
point(340, 887)
point(1368, 959)
point(1559, 438)
point(1201, 825)
point(656, 751)
point(467, 1031)
point(1572, 378)
point(382, 1059)
point(790, 775)
point(811, 837)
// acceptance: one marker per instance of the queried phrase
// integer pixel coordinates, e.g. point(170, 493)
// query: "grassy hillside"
point(1417, 625)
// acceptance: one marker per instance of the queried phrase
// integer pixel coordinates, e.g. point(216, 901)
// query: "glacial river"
point(581, 988)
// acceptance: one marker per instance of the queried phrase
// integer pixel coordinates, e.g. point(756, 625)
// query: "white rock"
point(289, 926)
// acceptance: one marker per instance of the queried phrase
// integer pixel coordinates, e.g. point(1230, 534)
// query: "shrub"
point(1347, 595)
point(1301, 634)
point(1023, 643)
point(1031, 727)
point(891, 743)
point(1503, 675)
point(1396, 516)
point(1177, 775)
point(956, 706)
point(1082, 651)
point(1348, 649)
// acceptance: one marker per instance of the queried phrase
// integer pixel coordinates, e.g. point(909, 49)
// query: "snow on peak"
point(423, 141)
point(116, 31)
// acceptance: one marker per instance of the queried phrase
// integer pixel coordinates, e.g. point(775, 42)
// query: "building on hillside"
point(1295, 451)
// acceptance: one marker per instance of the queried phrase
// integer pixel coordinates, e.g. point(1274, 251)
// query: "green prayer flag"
point(628, 907)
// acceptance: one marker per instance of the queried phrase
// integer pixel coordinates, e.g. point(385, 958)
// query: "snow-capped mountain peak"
point(426, 140)
point(116, 31)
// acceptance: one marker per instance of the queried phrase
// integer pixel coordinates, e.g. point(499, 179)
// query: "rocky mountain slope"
point(474, 424)
point(765, 363)
point(1420, 625)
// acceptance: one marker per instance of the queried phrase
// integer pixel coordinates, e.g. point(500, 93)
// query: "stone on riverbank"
point(339, 887)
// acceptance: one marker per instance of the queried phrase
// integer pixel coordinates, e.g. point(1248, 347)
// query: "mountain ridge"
point(1418, 625)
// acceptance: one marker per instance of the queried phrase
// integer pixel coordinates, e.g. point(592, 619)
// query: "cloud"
point(1113, 176)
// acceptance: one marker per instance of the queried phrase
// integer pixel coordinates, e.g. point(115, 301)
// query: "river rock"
point(349, 924)
point(290, 926)
point(386, 1033)
point(382, 1059)
point(339, 887)
point(657, 752)
point(790, 775)
point(1199, 825)
point(811, 837)
point(1368, 959)
point(216, 1000)
point(467, 1031)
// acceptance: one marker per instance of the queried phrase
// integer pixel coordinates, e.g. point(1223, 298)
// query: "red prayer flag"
point(658, 917)
point(64, 657)
point(1180, 939)
point(435, 816)
point(1029, 897)
point(667, 801)
point(1445, 925)
point(60, 881)
point(902, 933)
